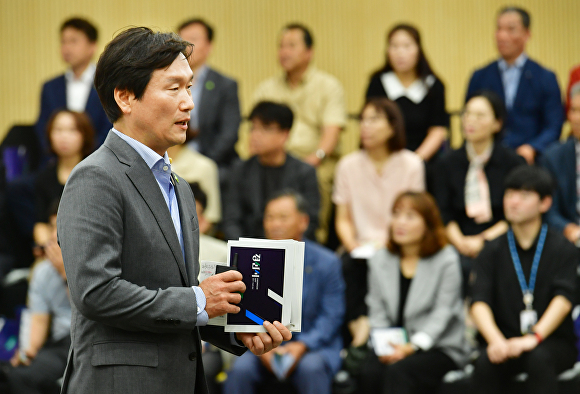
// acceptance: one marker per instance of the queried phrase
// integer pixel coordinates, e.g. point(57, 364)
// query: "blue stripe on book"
point(254, 318)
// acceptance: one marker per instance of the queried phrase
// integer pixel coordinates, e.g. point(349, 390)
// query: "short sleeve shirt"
point(495, 282)
point(317, 102)
point(48, 294)
point(370, 195)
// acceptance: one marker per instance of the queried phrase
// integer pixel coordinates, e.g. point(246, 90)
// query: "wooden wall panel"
point(349, 40)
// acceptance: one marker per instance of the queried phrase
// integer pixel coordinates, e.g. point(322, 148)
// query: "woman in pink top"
point(366, 184)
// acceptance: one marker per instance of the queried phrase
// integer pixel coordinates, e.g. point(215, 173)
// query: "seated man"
point(316, 349)
point(38, 366)
point(523, 287)
point(561, 160)
point(271, 169)
point(531, 92)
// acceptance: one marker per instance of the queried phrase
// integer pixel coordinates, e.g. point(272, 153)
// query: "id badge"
point(528, 319)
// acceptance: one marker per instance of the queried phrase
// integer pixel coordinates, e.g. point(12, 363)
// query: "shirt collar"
point(416, 92)
point(201, 73)
point(87, 76)
point(305, 77)
point(149, 155)
point(519, 63)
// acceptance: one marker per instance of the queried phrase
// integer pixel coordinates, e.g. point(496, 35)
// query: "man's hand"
point(54, 254)
point(22, 359)
point(266, 360)
point(401, 352)
point(221, 293)
point(263, 342)
point(498, 351)
point(471, 245)
point(527, 152)
point(519, 345)
point(313, 160)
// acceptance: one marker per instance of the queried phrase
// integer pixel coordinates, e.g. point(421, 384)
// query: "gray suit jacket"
point(133, 311)
point(434, 308)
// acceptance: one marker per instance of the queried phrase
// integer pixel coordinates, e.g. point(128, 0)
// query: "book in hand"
point(272, 272)
point(383, 338)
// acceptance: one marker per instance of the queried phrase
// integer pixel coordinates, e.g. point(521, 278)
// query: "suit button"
point(192, 356)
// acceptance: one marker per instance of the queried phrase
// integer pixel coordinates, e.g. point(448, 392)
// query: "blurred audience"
point(70, 140)
point(37, 367)
point(561, 160)
point(318, 102)
point(366, 184)
point(407, 79)
point(215, 119)
point(469, 180)
point(523, 292)
point(74, 89)
point(315, 351)
point(210, 248)
point(415, 284)
point(270, 169)
point(530, 91)
point(194, 167)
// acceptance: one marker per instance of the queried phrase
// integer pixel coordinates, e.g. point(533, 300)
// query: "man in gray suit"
point(129, 235)
point(216, 118)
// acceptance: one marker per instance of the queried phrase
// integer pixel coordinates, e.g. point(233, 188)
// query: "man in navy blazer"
point(74, 90)
point(531, 92)
point(315, 350)
point(561, 160)
point(216, 117)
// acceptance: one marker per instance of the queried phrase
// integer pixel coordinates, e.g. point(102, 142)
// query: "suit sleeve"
point(229, 125)
point(552, 114)
point(447, 303)
point(331, 312)
point(312, 195)
point(554, 216)
point(41, 123)
point(91, 231)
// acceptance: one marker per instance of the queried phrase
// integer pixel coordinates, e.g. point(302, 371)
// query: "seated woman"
point(366, 184)
point(407, 79)
point(468, 185)
point(415, 284)
point(70, 137)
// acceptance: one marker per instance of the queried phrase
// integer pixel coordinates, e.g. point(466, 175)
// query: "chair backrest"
point(19, 152)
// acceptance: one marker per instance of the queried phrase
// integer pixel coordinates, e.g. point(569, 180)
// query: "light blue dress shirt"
point(510, 76)
point(161, 169)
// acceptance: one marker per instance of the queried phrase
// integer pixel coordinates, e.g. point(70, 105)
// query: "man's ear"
point(124, 100)
point(545, 204)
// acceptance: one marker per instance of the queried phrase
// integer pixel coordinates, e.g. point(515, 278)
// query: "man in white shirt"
point(74, 89)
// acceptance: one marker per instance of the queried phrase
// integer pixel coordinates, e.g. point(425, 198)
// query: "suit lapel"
point(499, 82)
point(392, 290)
point(524, 83)
point(61, 89)
point(146, 184)
point(186, 229)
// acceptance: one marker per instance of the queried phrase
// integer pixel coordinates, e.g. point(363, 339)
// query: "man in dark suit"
point(531, 92)
point(74, 89)
point(216, 117)
point(129, 235)
point(270, 170)
point(561, 159)
point(315, 351)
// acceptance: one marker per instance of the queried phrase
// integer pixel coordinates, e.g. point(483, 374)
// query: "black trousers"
point(543, 365)
point(419, 373)
point(355, 278)
point(41, 375)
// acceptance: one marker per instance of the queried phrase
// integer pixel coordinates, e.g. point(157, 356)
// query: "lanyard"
point(527, 290)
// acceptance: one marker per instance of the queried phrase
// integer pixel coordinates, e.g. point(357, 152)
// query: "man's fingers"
point(229, 276)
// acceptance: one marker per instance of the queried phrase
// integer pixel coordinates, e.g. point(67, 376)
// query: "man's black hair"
point(199, 195)
point(301, 203)
point(129, 60)
point(530, 178)
point(525, 15)
point(83, 25)
point(198, 21)
point(308, 40)
point(269, 112)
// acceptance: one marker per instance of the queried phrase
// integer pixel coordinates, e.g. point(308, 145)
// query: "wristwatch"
point(320, 153)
